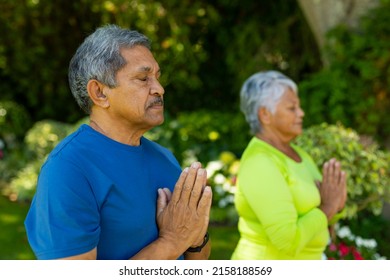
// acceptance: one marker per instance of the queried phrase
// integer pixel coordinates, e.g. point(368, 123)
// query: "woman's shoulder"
point(302, 152)
point(259, 152)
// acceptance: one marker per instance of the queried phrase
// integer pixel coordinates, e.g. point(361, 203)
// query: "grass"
point(14, 244)
point(13, 239)
point(223, 241)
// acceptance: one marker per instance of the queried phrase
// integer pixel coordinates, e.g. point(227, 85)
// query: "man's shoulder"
point(67, 150)
point(156, 149)
point(154, 146)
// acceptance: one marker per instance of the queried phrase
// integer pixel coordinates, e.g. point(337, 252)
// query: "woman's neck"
point(279, 144)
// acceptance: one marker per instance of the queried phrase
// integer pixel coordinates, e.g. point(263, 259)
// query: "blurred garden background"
point(336, 50)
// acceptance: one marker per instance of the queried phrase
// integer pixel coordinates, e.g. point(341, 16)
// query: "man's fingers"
point(179, 186)
point(162, 201)
point(189, 182)
point(205, 201)
point(197, 189)
point(168, 193)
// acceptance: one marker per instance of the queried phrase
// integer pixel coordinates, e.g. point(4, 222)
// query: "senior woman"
point(283, 201)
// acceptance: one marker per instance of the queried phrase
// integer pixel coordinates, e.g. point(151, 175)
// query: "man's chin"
point(158, 121)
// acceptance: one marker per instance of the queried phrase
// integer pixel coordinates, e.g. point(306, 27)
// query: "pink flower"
point(344, 249)
point(356, 254)
point(332, 247)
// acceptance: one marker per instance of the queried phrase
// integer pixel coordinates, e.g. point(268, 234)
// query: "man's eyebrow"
point(144, 69)
point(148, 69)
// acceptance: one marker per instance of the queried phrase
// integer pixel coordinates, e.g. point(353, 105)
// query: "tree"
point(324, 15)
point(206, 49)
point(355, 87)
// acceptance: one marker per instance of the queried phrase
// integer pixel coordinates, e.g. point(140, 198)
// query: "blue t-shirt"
point(95, 192)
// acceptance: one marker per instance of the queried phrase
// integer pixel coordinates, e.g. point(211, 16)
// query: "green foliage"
point(38, 143)
point(373, 226)
point(14, 121)
point(367, 167)
point(202, 135)
point(355, 88)
point(222, 176)
point(10, 164)
point(23, 185)
point(263, 35)
point(345, 245)
point(223, 240)
point(205, 49)
point(44, 136)
point(36, 52)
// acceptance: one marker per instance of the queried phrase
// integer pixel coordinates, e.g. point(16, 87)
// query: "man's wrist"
point(199, 248)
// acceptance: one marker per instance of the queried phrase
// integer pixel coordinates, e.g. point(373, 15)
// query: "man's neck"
point(120, 133)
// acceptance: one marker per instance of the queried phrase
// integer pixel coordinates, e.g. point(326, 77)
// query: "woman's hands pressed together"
point(333, 189)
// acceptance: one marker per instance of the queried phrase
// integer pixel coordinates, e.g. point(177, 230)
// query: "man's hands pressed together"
point(183, 216)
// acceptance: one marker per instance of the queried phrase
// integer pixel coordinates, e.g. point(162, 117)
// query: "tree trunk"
point(322, 15)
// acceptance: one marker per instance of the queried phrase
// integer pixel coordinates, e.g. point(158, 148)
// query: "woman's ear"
point(264, 115)
point(96, 93)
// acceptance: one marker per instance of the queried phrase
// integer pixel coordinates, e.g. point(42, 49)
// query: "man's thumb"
point(162, 201)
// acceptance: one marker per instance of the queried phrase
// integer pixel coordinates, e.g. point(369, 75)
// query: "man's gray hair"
point(263, 89)
point(99, 57)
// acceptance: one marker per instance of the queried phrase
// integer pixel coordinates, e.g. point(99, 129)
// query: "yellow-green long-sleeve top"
point(277, 202)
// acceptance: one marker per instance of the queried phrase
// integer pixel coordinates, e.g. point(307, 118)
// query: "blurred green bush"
point(38, 143)
point(367, 166)
point(202, 135)
point(14, 121)
point(21, 166)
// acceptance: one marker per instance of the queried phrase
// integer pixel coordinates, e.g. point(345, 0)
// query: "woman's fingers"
point(325, 171)
point(343, 185)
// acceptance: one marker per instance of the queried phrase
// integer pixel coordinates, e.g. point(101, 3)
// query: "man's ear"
point(264, 115)
point(96, 93)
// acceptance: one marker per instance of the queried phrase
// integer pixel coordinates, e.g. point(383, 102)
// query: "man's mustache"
point(157, 101)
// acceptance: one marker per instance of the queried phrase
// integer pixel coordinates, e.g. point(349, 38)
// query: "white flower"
point(219, 179)
point(228, 187)
point(379, 257)
point(359, 241)
point(371, 243)
point(344, 232)
point(213, 166)
point(367, 243)
point(222, 203)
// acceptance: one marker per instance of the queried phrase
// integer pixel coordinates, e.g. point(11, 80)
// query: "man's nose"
point(157, 88)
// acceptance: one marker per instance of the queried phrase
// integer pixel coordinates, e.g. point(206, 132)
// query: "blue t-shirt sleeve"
point(64, 218)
